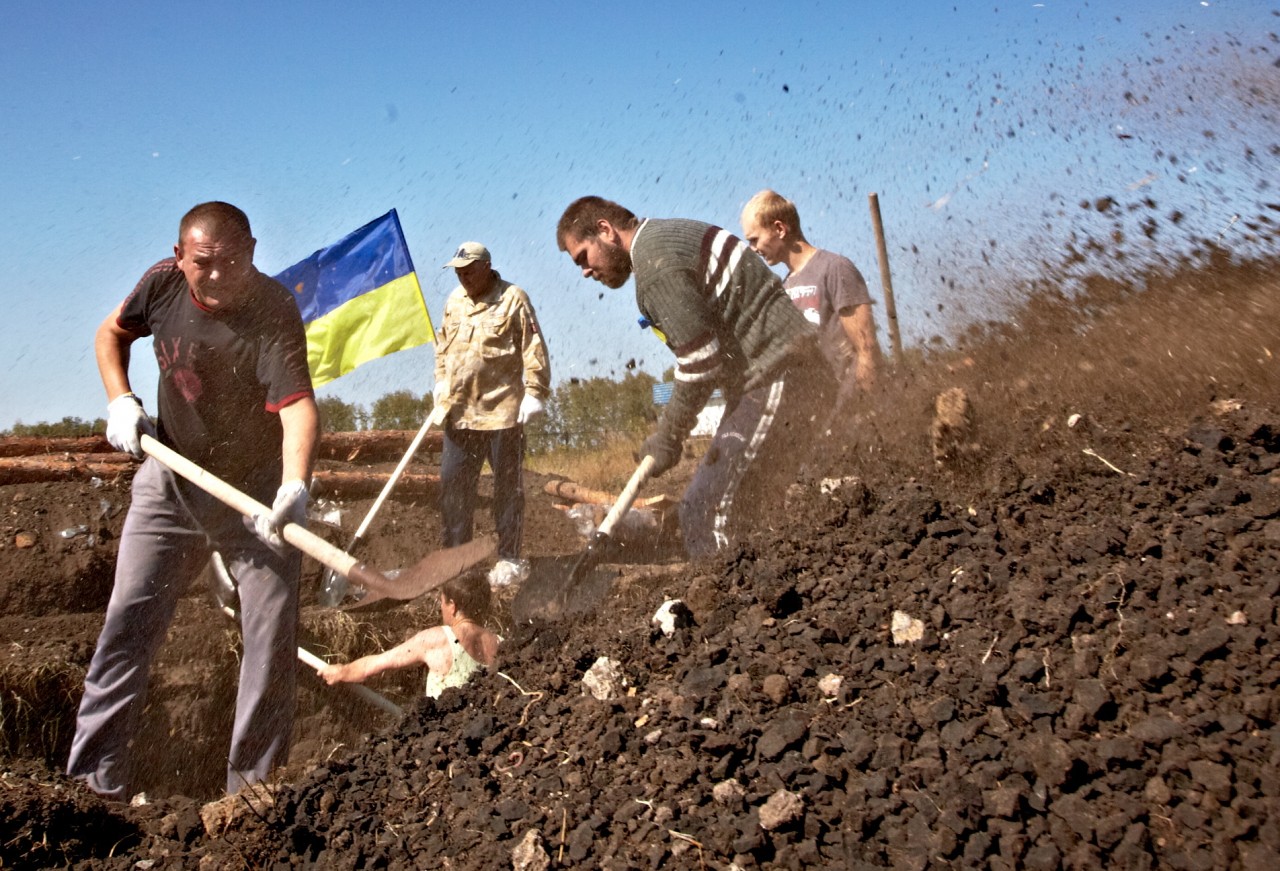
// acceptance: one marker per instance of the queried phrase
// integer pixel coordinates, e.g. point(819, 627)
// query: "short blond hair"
point(769, 206)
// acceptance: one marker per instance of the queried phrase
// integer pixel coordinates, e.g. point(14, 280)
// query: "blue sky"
point(981, 127)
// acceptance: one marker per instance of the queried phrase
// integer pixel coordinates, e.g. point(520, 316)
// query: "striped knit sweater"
point(718, 306)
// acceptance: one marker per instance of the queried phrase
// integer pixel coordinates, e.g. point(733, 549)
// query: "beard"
point(616, 268)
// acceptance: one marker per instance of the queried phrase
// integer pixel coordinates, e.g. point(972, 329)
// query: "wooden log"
point(332, 483)
point(376, 446)
point(577, 493)
point(572, 492)
point(73, 467)
point(366, 446)
point(31, 446)
point(329, 483)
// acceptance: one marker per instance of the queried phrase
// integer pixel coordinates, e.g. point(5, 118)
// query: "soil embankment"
point(1091, 679)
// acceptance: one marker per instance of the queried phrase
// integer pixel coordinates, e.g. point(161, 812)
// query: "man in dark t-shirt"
point(235, 397)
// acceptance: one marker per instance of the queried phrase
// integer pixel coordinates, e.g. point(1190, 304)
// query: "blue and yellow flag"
point(360, 300)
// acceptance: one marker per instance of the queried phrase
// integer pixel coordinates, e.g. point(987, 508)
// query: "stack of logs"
point(27, 460)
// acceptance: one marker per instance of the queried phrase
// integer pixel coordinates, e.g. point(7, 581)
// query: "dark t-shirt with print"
point(822, 289)
point(224, 374)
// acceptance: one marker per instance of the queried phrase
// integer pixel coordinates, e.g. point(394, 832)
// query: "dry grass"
point(606, 469)
point(37, 707)
point(342, 636)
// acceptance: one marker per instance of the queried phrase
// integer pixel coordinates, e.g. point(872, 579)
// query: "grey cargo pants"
point(168, 535)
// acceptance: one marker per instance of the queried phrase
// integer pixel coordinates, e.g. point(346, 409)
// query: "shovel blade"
point(434, 570)
point(589, 560)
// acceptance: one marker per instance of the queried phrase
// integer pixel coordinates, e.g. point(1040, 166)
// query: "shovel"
point(427, 574)
point(334, 588)
point(599, 543)
point(228, 596)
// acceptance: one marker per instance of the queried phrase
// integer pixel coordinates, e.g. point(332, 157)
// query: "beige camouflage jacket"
point(490, 352)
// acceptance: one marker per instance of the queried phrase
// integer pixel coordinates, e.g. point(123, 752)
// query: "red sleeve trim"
point(274, 407)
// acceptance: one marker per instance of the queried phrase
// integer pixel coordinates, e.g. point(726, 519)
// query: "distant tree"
point(583, 413)
point(401, 409)
point(338, 416)
point(68, 427)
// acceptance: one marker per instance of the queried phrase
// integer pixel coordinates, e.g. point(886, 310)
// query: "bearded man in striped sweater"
point(731, 325)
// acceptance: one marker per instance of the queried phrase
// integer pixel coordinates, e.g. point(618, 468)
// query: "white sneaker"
point(508, 572)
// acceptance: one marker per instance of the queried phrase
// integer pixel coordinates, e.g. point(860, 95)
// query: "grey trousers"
point(762, 443)
point(170, 530)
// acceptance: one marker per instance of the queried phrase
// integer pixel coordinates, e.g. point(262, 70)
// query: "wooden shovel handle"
point(299, 536)
point(628, 495)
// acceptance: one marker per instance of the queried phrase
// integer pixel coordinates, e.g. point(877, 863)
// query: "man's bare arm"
point(301, 423)
point(860, 327)
point(111, 347)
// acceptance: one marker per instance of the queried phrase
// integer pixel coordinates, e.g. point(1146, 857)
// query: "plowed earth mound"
point(1061, 654)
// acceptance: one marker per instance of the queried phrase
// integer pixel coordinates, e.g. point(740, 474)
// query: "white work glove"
point(126, 422)
point(530, 407)
point(290, 507)
point(440, 402)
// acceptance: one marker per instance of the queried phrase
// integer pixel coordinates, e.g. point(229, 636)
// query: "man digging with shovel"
point(235, 397)
point(731, 325)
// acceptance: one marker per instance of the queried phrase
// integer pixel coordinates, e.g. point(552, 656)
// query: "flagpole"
point(334, 587)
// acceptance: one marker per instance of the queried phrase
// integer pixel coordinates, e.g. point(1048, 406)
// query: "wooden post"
point(890, 309)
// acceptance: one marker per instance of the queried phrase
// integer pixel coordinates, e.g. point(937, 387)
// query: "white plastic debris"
point(604, 679)
point(1073, 420)
point(905, 628)
point(827, 486)
point(830, 685)
point(637, 525)
point(508, 572)
point(583, 517)
point(1237, 618)
point(325, 511)
point(672, 615)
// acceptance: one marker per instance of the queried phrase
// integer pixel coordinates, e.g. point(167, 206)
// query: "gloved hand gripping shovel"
point(599, 544)
point(427, 574)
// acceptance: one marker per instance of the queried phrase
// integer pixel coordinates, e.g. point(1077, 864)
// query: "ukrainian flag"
point(360, 300)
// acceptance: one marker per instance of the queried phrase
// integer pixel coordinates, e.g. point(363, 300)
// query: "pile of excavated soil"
point(1060, 654)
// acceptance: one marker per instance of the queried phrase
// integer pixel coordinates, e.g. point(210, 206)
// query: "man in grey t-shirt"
point(825, 286)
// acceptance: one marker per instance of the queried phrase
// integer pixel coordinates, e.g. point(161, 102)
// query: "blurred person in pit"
point(452, 652)
point(730, 323)
point(235, 398)
point(493, 376)
point(826, 287)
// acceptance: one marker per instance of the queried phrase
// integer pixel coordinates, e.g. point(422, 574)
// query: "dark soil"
point(1094, 685)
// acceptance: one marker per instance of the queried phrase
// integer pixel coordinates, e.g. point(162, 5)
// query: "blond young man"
point(825, 286)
